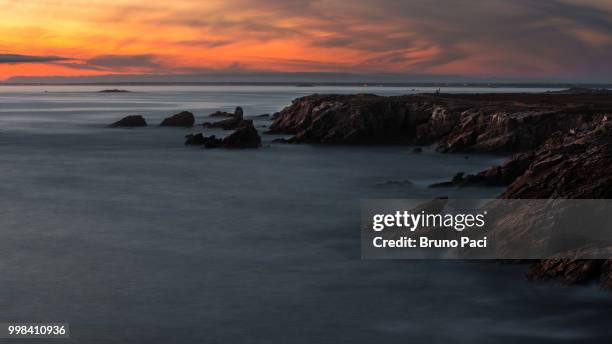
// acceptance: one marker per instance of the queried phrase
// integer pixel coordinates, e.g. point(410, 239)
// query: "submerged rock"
point(129, 122)
point(182, 119)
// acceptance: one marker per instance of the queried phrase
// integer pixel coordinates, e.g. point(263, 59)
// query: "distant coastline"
point(364, 84)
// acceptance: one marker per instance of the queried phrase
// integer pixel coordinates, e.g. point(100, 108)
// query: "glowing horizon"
point(521, 38)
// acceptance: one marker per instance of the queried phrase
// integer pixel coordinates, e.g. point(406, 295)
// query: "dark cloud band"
point(14, 58)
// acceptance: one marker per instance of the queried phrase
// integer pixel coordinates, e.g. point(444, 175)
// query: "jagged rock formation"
point(232, 123)
point(201, 140)
point(573, 165)
point(351, 119)
point(502, 175)
point(129, 122)
point(562, 146)
point(493, 123)
point(246, 136)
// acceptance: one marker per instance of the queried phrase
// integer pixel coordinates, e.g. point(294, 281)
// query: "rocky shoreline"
point(560, 145)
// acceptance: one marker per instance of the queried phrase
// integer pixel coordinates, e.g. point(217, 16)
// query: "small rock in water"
point(232, 123)
point(417, 150)
point(114, 90)
point(129, 122)
point(182, 119)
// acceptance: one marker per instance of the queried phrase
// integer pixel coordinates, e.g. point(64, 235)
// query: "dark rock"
point(182, 119)
point(493, 123)
point(265, 115)
point(238, 113)
point(201, 140)
point(567, 271)
point(244, 137)
point(213, 142)
point(195, 139)
point(232, 123)
point(502, 175)
point(417, 150)
point(114, 90)
point(351, 119)
point(226, 124)
point(606, 274)
point(569, 166)
point(129, 122)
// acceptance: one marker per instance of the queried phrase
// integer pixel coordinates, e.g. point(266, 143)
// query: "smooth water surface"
point(132, 237)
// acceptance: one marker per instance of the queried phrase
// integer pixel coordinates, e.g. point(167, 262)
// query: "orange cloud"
point(522, 37)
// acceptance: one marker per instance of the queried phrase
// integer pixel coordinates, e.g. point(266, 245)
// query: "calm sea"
point(132, 237)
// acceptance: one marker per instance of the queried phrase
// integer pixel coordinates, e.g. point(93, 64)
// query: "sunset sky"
point(477, 38)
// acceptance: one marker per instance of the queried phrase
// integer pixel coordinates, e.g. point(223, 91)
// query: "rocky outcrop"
point(507, 132)
point(201, 140)
point(492, 123)
point(573, 271)
point(351, 119)
point(244, 137)
point(182, 119)
point(573, 165)
point(573, 162)
point(501, 175)
point(129, 122)
point(576, 165)
point(238, 113)
point(232, 123)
